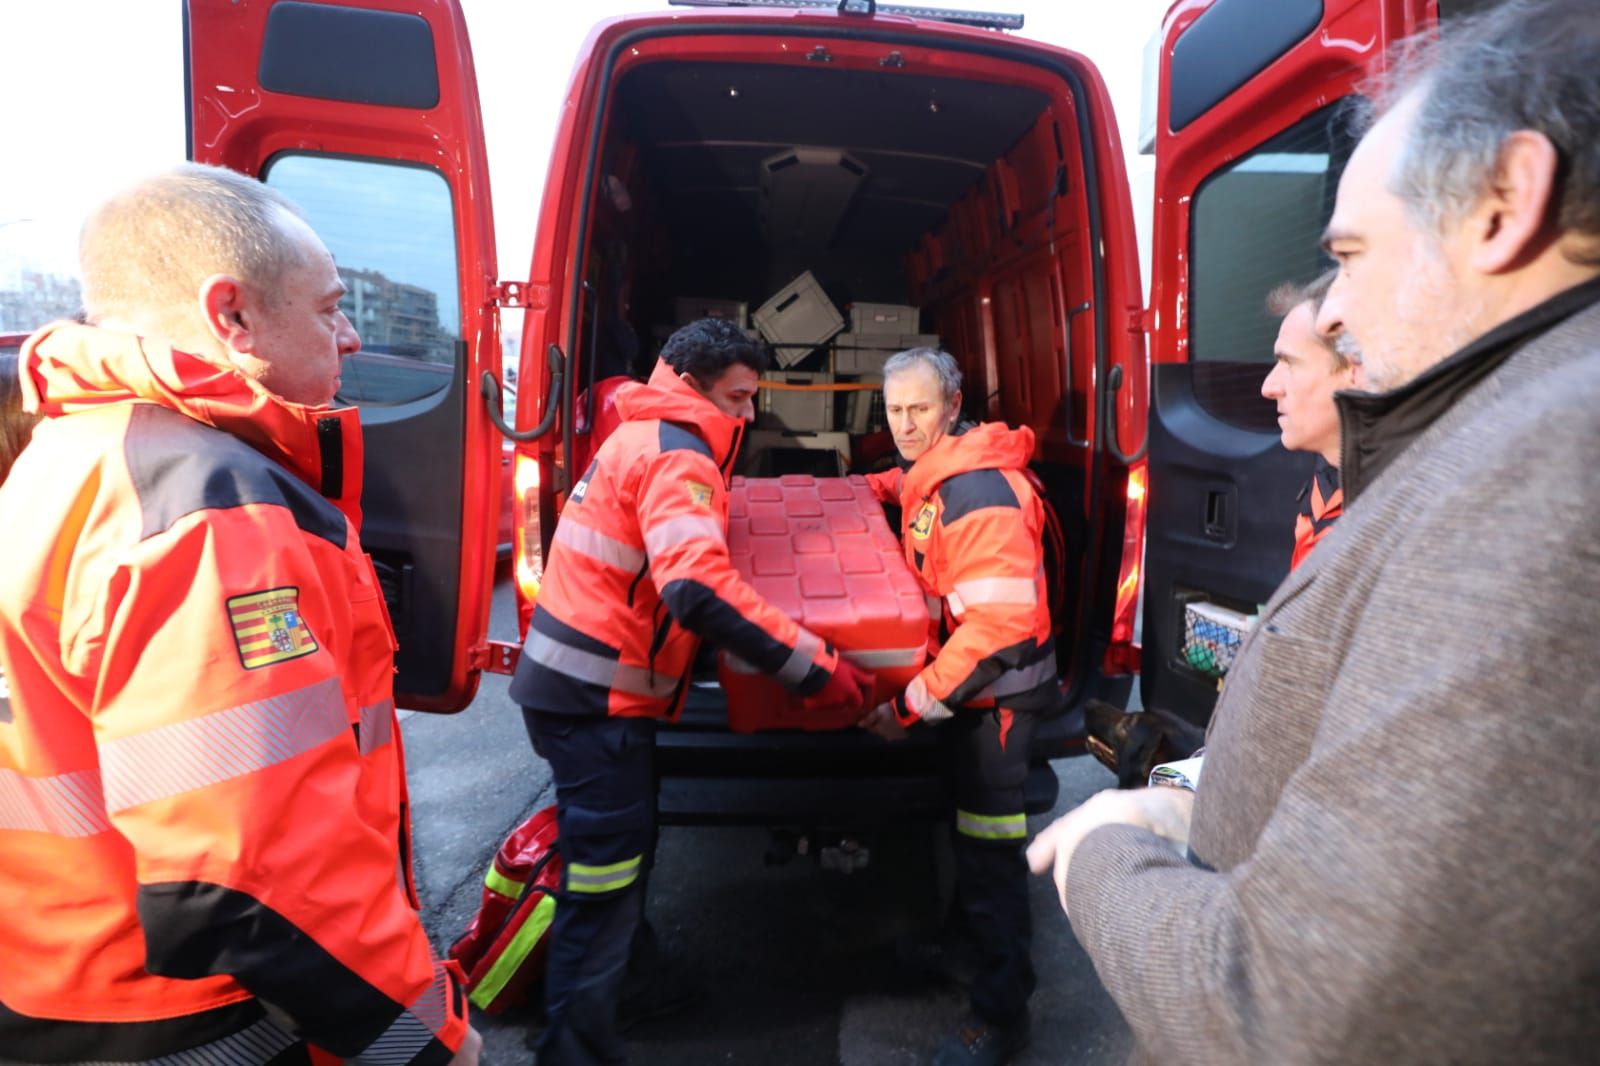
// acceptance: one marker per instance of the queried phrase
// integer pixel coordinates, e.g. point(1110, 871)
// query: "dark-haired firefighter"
point(972, 527)
point(638, 574)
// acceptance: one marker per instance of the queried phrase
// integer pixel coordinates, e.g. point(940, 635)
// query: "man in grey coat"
point(1394, 850)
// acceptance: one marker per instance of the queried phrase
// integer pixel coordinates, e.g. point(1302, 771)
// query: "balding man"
point(1393, 855)
point(200, 773)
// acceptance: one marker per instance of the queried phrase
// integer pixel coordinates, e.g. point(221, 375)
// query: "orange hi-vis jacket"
point(203, 850)
point(1321, 504)
point(971, 526)
point(639, 571)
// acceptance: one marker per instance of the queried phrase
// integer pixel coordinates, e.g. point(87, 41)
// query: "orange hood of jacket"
point(67, 368)
point(988, 446)
point(666, 396)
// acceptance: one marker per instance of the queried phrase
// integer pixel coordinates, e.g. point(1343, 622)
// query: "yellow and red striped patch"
point(268, 627)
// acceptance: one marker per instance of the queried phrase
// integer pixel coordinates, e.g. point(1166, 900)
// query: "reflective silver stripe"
point(992, 826)
point(957, 608)
point(594, 879)
point(922, 702)
point(597, 669)
point(65, 805)
point(177, 758)
point(1022, 591)
point(682, 529)
point(1022, 679)
point(377, 726)
point(418, 1024)
point(596, 545)
point(935, 606)
point(260, 1042)
point(798, 666)
point(888, 658)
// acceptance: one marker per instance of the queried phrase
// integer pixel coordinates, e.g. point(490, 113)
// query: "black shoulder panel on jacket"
point(180, 466)
point(675, 438)
point(972, 491)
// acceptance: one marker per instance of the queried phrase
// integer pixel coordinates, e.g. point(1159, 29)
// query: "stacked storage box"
point(820, 550)
point(797, 319)
point(877, 331)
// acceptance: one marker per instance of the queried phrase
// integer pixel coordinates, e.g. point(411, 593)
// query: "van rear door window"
point(1257, 223)
point(391, 231)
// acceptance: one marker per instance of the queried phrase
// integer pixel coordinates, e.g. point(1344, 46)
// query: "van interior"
point(961, 197)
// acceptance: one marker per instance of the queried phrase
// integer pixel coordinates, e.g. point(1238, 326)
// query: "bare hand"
point(471, 1048)
point(1162, 811)
point(881, 722)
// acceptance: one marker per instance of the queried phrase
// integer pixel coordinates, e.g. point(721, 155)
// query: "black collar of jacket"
point(1378, 426)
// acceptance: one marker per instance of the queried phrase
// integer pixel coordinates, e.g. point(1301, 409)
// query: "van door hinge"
point(495, 657)
point(1141, 319)
point(523, 294)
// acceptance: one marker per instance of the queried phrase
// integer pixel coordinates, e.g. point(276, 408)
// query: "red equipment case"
point(820, 550)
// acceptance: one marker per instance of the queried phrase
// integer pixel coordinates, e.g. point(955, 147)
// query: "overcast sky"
point(93, 96)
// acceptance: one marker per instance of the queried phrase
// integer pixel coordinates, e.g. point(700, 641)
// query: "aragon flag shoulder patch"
point(923, 525)
point(699, 494)
point(268, 627)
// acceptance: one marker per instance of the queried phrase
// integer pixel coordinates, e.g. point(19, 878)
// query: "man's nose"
point(1270, 389)
point(349, 340)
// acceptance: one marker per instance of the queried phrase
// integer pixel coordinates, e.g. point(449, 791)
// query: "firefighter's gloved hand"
point(846, 690)
point(881, 721)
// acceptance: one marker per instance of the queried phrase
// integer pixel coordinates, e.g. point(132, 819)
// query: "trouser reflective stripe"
point(495, 881)
point(510, 960)
point(609, 878)
point(992, 826)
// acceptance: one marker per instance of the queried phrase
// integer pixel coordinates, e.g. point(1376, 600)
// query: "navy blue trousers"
point(604, 773)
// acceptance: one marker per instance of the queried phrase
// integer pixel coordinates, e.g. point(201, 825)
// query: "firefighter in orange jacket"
point(1306, 372)
point(201, 782)
point(972, 524)
point(638, 574)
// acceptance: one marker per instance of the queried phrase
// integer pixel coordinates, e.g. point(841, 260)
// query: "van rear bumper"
point(835, 780)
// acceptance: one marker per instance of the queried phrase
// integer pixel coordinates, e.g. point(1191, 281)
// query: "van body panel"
point(374, 120)
point(1243, 189)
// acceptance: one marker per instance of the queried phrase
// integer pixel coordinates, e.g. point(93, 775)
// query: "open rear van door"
point(1254, 124)
point(365, 114)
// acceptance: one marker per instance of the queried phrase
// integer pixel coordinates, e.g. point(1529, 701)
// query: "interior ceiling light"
point(933, 106)
point(733, 92)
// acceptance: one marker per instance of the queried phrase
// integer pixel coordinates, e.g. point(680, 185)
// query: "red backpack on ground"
point(503, 949)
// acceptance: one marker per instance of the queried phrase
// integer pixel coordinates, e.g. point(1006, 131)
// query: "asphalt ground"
point(794, 963)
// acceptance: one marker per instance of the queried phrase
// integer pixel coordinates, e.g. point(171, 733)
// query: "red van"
point(945, 164)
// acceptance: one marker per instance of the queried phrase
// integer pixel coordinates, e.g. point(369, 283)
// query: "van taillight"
point(530, 550)
point(1122, 656)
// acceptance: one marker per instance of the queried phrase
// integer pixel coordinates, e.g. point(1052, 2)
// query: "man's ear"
point(1511, 224)
point(224, 305)
point(955, 410)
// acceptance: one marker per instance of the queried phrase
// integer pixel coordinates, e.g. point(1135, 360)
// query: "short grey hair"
point(146, 250)
point(1519, 65)
point(941, 362)
point(1290, 295)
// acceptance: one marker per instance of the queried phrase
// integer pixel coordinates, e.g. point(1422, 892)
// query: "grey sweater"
point(1396, 844)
